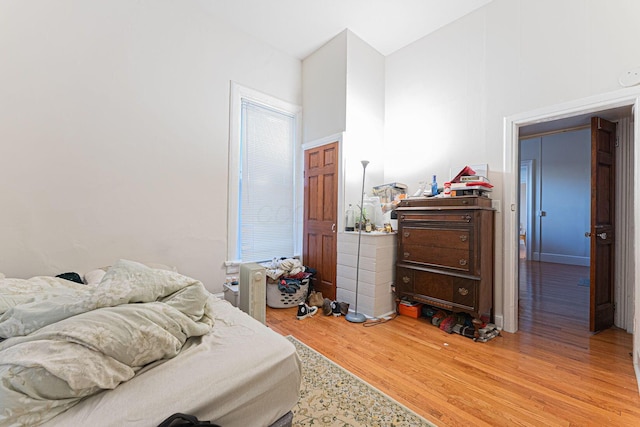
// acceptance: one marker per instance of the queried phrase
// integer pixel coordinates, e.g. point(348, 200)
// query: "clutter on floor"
point(288, 282)
point(453, 323)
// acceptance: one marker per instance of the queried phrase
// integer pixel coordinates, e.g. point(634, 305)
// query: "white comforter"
point(65, 341)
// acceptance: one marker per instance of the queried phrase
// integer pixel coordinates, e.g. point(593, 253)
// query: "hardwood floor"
point(552, 372)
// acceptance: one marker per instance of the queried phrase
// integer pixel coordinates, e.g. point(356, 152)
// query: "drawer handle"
point(403, 217)
point(407, 234)
point(463, 238)
point(465, 202)
point(463, 262)
point(406, 279)
point(466, 218)
point(463, 291)
point(406, 254)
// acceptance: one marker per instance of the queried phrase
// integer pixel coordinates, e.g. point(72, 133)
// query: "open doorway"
point(612, 106)
point(627, 101)
point(554, 213)
point(562, 186)
point(560, 149)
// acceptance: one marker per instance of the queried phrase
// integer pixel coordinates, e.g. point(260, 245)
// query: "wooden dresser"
point(445, 253)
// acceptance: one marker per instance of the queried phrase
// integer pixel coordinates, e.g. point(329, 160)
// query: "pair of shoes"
point(305, 311)
point(334, 307)
point(339, 308)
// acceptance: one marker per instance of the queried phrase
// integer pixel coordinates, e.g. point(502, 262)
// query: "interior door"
point(602, 233)
point(319, 249)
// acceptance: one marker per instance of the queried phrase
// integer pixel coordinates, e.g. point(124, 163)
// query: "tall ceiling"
point(299, 27)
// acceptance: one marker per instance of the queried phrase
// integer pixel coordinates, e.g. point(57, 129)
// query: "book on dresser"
point(445, 253)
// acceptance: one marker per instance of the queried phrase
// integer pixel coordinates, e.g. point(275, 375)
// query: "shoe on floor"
point(344, 308)
point(335, 309)
point(326, 307)
point(305, 311)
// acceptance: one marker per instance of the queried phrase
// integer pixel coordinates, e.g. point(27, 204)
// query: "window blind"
point(266, 183)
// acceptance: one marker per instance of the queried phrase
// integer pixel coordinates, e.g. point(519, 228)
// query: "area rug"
point(332, 396)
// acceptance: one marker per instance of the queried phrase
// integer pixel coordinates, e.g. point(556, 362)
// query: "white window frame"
point(238, 93)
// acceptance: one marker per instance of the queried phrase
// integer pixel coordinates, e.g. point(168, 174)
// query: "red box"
point(410, 310)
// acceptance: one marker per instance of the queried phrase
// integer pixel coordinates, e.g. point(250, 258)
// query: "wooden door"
point(319, 247)
point(602, 233)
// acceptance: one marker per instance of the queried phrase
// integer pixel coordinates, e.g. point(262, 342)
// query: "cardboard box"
point(414, 311)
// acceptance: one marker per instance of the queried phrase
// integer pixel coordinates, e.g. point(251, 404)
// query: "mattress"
point(239, 374)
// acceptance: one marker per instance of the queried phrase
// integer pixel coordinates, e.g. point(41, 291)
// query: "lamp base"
point(355, 317)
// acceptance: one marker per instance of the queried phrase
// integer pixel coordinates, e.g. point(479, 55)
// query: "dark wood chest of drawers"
point(445, 253)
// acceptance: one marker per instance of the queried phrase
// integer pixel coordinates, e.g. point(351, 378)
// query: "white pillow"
point(160, 266)
point(94, 276)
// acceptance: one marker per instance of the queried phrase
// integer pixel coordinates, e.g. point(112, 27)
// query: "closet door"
point(319, 249)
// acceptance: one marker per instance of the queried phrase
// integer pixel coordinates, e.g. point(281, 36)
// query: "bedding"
point(133, 349)
point(64, 341)
point(240, 374)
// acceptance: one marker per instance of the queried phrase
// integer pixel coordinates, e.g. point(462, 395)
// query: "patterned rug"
point(332, 396)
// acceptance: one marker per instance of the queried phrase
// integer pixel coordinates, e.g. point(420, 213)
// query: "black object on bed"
point(74, 277)
point(185, 420)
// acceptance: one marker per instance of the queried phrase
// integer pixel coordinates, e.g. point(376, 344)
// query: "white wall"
point(114, 119)
point(562, 163)
point(448, 93)
point(364, 135)
point(325, 90)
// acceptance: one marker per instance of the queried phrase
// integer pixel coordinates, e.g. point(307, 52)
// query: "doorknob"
point(602, 235)
point(333, 228)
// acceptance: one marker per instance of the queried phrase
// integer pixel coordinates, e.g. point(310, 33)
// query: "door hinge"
point(617, 141)
point(614, 307)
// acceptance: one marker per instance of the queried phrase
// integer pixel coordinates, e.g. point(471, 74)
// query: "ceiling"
point(299, 27)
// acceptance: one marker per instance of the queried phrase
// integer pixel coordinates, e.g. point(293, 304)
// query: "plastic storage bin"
point(231, 293)
point(410, 310)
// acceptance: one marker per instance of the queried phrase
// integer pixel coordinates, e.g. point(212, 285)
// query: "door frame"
point(511, 166)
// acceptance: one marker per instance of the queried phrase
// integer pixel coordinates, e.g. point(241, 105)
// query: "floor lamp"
point(359, 317)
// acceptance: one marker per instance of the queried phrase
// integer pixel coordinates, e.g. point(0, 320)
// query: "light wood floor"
point(553, 372)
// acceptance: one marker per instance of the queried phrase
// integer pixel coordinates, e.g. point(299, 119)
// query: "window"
point(262, 177)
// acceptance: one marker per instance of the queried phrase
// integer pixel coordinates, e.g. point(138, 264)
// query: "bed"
point(137, 347)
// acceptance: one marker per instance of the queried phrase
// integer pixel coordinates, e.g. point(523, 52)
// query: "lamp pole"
point(359, 317)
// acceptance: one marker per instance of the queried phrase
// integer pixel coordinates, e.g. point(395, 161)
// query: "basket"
point(278, 299)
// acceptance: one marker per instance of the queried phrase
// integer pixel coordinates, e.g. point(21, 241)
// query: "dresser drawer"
point(460, 217)
point(450, 202)
point(443, 290)
point(456, 259)
point(437, 238)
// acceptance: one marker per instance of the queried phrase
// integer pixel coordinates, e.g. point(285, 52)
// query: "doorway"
point(554, 214)
point(576, 113)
